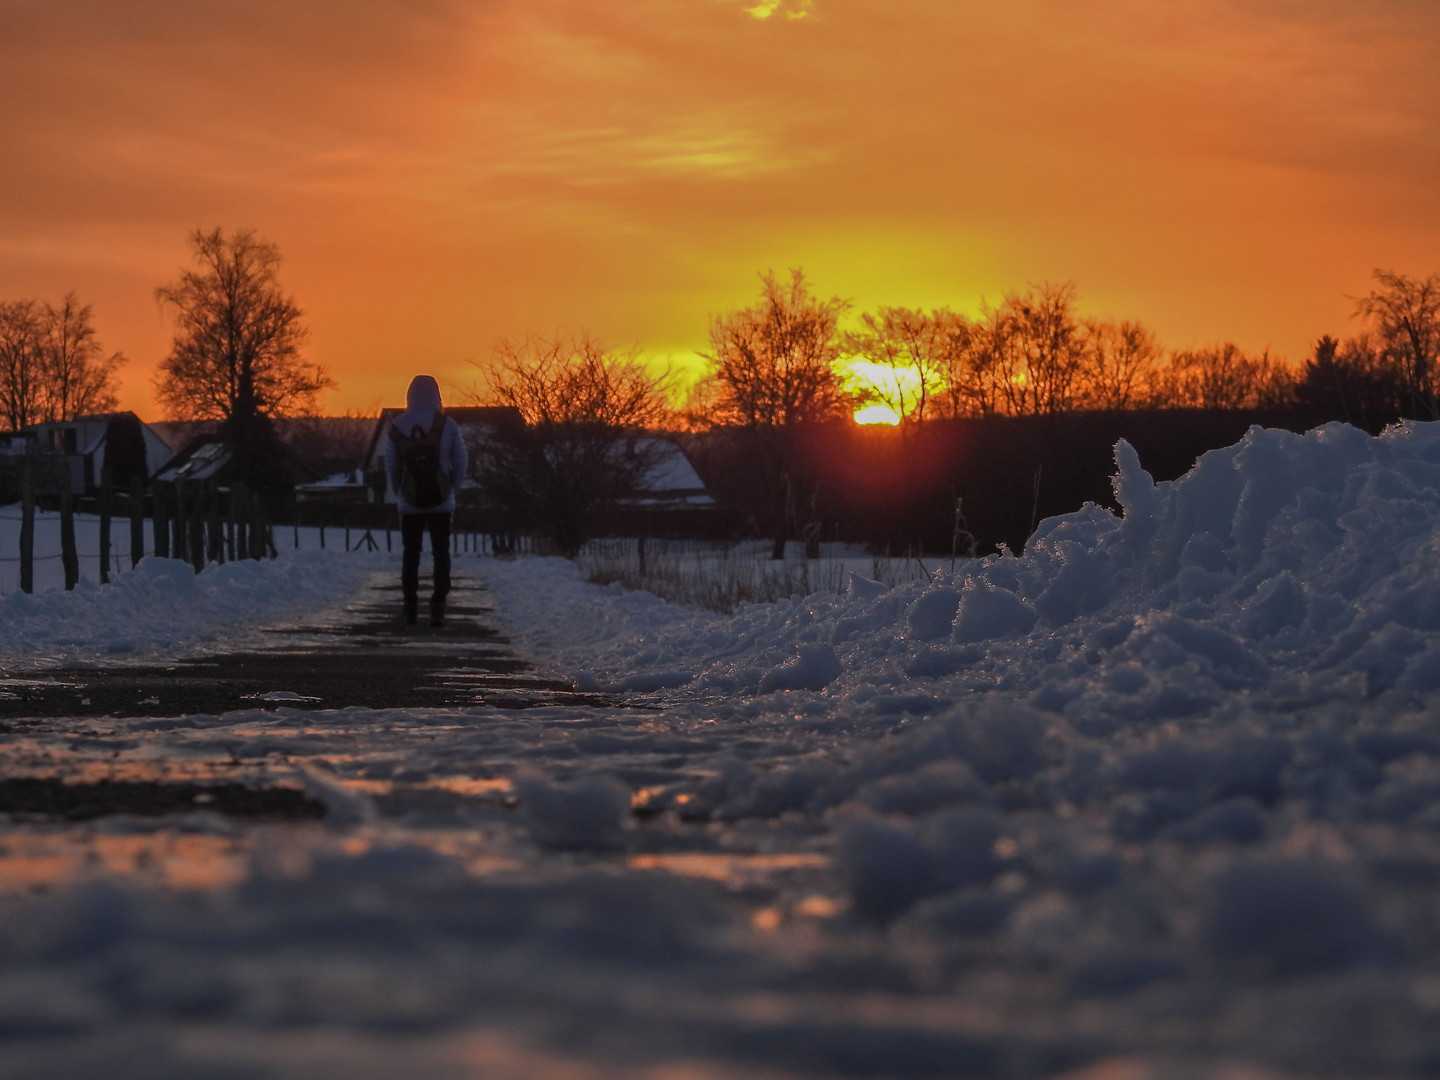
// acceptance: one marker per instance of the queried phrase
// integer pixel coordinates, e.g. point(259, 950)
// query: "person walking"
point(425, 462)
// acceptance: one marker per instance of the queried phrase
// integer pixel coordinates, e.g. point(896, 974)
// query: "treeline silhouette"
point(1012, 416)
point(784, 361)
point(1000, 420)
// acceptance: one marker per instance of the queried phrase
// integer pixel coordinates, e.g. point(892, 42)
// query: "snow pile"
point(165, 604)
point(1160, 796)
point(1287, 567)
point(1213, 709)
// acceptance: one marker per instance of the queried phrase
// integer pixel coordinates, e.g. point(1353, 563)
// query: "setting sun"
point(877, 414)
point(889, 392)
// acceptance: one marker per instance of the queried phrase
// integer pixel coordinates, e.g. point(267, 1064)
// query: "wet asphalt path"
point(371, 660)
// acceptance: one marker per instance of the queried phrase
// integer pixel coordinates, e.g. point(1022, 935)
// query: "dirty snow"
point(1160, 796)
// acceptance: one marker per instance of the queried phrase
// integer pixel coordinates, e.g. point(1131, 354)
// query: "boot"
point(412, 612)
point(437, 612)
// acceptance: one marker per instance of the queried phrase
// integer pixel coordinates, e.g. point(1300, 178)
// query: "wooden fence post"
point(69, 557)
point(107, 498)
point(177, 520)
point(239, 515)
point(137, 520)
point(196, 525)
point(256, 527)
point(27, 524)
point(232, 500)
point(213, 527)
point(161, 527)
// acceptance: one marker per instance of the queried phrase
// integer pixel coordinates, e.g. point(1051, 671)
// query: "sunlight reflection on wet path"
point(438, 779)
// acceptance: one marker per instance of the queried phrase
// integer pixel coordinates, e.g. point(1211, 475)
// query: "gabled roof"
point(203, 459)
point(671, 480)
point(208, 457)
point(94, 429)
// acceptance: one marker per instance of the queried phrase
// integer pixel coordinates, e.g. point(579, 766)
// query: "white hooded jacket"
point(422, 402)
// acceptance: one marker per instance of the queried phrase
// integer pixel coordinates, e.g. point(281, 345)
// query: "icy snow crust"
point(1164, 790)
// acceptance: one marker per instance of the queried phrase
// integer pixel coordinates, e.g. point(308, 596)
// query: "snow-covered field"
point(1159, 798)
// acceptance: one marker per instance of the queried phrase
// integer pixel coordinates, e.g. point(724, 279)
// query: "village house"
point(82, 448)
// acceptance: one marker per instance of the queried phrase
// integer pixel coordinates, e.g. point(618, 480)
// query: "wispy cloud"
point(706, 148)
point(789, 9)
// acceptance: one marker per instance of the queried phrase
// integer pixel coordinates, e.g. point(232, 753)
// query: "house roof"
point(203, 459)
point(208, 457)
point(671, 480)
point(94, 428)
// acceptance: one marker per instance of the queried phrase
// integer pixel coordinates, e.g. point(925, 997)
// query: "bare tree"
point(1025, 357)
point(51, 364)
point(1045, 349)
point(1225, 377)
point(22, 359)
point(236, 353)
point(772, 368)
point(1122, 365)
point(584, 446)
point(974, 355)
point(774, 364)
point(1403, 315)
point(903, 355)
point(79, 376)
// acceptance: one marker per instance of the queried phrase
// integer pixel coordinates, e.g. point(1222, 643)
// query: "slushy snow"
point(1159, 796)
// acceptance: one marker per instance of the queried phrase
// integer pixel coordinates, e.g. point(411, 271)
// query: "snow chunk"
point(814, 667)
point(987, 612)
point(588, 814)
point(931, 616)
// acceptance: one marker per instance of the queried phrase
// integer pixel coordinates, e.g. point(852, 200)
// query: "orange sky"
point(439, 173)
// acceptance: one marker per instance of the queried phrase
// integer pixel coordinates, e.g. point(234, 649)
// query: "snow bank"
point(163, 604)
point(1158, 796)
point(1285, 568)
point(1228, 687)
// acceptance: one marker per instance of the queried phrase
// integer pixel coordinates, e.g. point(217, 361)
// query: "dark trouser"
point(413, 528)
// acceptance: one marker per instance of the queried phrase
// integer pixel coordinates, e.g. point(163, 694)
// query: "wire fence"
point(48, 552)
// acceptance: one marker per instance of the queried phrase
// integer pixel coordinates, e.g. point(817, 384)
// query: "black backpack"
point(423, 483)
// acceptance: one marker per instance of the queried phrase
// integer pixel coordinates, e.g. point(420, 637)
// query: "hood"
point(423, 395)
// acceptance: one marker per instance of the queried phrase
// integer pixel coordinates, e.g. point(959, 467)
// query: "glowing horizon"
point(438, 176)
